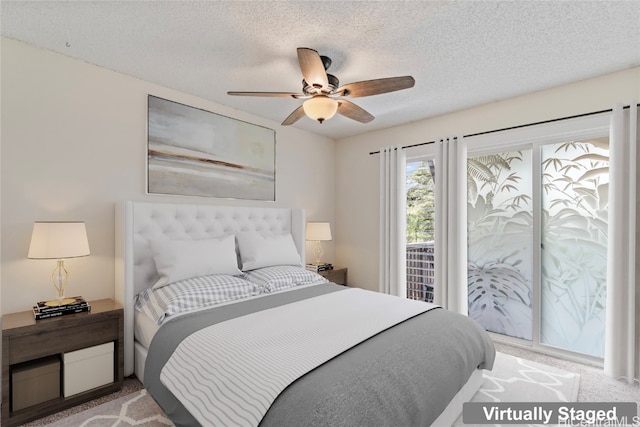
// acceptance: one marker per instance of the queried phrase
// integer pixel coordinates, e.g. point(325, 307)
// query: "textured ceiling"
point(461, 53)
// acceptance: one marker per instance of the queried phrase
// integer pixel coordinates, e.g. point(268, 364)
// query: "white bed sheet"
point(140, 354)
point(145, 328)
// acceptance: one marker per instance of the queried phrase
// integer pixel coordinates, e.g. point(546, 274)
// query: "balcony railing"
point(420, 271)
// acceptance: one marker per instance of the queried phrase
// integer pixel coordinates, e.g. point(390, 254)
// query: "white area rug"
point(135, 409)
point(512, 380)
point(519, 380)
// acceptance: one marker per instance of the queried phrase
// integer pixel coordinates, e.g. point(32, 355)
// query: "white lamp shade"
point(318, 231)
point(57, 240)
point(320, 107)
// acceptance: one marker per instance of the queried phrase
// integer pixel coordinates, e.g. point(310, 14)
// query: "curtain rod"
point(514, 127)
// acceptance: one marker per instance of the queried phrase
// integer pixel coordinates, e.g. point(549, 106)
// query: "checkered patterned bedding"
point(282, 277)
point(206, 291)
point(191, 294)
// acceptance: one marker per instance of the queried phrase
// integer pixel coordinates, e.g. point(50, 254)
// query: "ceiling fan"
point(323, 94)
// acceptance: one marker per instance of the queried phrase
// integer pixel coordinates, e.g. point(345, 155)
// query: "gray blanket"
point(404, 376)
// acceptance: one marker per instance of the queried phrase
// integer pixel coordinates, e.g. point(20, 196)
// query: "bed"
point(270, 343)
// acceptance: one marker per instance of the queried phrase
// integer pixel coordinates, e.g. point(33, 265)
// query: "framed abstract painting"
point(194, 152)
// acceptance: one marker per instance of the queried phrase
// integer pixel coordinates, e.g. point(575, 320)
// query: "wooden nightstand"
point(338, 275)
point(26, 342)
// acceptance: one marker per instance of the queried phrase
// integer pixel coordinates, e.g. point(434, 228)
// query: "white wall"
point(357, 203)
point(74, 144)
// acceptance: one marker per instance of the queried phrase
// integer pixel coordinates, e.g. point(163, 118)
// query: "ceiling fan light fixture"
point(324, 95)
point(320, 108)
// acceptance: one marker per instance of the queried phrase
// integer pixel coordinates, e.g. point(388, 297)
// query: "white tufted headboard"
point(138, 223)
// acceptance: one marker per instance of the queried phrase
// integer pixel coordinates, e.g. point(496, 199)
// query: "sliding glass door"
point(500, 236)
point(537, 243)
point(574, 199)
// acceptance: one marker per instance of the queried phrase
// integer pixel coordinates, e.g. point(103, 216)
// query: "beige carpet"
point(512, 379)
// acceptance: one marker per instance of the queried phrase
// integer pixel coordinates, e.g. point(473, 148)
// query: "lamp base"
point(60, 279)
point(318, 252)
point(57, 303)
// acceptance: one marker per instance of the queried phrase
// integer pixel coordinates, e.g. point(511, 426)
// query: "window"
point(420, 229)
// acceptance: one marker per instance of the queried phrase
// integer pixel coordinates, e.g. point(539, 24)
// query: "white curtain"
point(393, 240)
point(621, 358)
point(451, 225)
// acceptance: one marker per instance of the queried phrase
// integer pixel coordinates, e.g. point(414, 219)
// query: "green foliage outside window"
point(420, 202)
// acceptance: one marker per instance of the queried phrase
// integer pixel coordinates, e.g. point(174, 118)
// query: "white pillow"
point(257, 251)
point(182, 259)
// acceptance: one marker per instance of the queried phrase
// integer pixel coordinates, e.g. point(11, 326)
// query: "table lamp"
point(318, 232)
point(59, 240)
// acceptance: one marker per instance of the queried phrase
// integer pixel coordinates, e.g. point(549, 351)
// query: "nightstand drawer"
point(39, 344)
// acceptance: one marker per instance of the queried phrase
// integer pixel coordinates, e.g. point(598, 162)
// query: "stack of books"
point(43, 311)
point(319, 267)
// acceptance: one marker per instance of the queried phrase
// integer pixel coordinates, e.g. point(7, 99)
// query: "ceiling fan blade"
point(297, 114)
point(312, 68)
point(377, 86)
point(269, 94)
point(352, 111)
